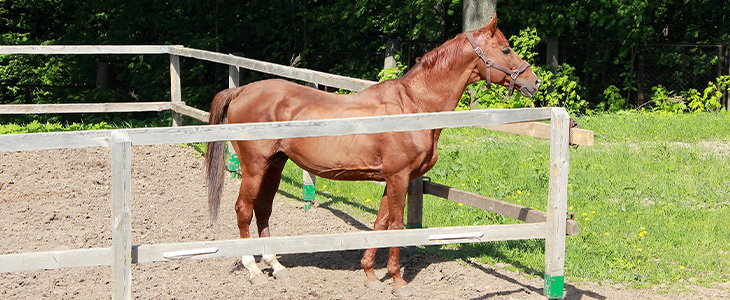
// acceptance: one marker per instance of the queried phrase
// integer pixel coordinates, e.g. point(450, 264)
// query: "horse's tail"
point(215, 154)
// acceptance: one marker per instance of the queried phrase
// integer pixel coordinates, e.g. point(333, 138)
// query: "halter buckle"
point(479, 52)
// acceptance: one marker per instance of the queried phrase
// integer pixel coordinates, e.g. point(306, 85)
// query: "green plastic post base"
point(233, 165)
point(307, 205)
point(554, 286)
point(308, 196)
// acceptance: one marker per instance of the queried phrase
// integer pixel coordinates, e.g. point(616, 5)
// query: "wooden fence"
point(551, 225)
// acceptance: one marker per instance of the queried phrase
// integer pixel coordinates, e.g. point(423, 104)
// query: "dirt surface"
point(59, 199)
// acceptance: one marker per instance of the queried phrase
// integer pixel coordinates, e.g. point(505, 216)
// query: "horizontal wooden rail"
point(278, 245)
point(318, 77)
point(198, 114)
point(497, 206)
point(274, 130)
point(542, 130)
point(83, 107)
point(85, 49)
point(49, 260)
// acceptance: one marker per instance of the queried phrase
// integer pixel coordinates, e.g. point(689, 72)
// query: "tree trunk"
point(391, 47)
point(478, 13)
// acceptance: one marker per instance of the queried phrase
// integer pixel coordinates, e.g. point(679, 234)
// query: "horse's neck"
point(436, 92)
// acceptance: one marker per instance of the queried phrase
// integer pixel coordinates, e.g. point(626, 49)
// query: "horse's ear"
point(490, 28)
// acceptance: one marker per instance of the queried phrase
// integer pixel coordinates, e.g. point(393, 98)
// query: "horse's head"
point(498, 63)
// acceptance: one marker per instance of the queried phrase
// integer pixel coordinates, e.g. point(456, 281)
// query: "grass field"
point(651, 197)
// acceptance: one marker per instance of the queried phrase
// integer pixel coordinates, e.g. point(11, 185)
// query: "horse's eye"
point(506, 50)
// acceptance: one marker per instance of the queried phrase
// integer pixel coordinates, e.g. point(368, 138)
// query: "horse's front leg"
point(396, 194)
point(368, 259)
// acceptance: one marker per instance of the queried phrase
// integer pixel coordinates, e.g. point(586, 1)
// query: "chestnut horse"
point(434, 84)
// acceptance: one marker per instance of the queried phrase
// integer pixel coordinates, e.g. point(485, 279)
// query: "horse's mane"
point(448, 54)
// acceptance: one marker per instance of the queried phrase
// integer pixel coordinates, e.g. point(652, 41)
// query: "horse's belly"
point(340, 157)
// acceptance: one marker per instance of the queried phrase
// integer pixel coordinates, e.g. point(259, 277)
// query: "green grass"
point(651, 197)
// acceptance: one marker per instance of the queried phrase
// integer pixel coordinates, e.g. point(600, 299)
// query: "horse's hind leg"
point(263, 208)
point(256, 195)
point(250, 185)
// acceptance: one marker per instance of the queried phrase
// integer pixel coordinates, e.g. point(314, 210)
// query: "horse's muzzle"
point(529, 91)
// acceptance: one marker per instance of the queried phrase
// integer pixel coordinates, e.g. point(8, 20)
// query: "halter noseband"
point(488, 62)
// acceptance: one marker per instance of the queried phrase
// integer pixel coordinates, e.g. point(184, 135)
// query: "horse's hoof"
point(259, 280)
point(402, 292)
point(282, 274)
point(375, 285)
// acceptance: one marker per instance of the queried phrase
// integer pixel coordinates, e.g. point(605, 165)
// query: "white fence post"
point(233, 164)
point(233, 76)
point(309, 179)
point(175, 88)
point(121, 166)
point(557, 204)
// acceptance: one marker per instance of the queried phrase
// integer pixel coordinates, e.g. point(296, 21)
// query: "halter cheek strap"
point(488, 62)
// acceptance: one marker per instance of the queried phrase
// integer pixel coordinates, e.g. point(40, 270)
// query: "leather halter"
point(488, 62)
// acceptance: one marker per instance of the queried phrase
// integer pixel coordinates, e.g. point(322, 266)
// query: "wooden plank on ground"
point(345, 241)
point(497, 206)
point(84, 49)
point(343, 82)
point(83, 107)
point(542, 130)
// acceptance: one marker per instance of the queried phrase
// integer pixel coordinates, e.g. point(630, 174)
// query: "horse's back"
point(280, 100)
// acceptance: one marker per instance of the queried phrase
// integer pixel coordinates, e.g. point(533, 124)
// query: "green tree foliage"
point(342, 37)
point(632, 24)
